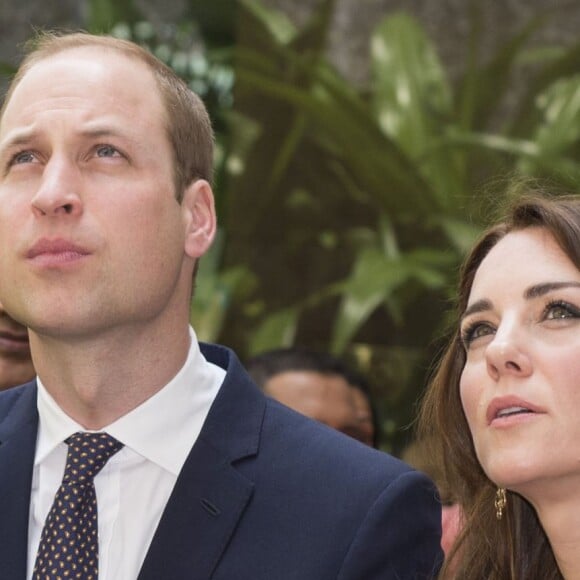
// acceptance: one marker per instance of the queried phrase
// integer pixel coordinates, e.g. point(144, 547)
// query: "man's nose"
point(59, 190)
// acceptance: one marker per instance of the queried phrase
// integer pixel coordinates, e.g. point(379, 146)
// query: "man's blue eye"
point(107, 151)
point(23, 157)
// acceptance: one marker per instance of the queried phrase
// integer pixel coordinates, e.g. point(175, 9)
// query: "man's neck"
point(99, 380)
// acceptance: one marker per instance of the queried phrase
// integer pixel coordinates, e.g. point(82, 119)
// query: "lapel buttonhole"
point(210, 508)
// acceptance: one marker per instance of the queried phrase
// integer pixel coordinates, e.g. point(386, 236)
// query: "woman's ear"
point(200, 218)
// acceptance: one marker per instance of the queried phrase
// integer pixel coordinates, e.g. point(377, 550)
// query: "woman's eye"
point(474, 331)
point(560, 310)
point(107, 151)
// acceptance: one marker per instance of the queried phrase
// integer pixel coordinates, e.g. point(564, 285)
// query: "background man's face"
point(15, 362)
point(364, 415)
point(325, 398)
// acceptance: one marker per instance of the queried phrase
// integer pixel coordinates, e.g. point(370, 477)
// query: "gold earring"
point(500, 502)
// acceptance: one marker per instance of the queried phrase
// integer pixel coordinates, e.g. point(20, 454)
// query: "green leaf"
point(277, 330)
point(461, 233)
point(493, 142)
point(379, 165)
point(314, 36)
point(560, 107)
point(7, 70)
point(568, 64)
point(411, 92)
point(104, 14)
point(374, 281)
point(211, 296)
point(374, 277)
point(412, 100)
point(483, 88)
point(276, 23)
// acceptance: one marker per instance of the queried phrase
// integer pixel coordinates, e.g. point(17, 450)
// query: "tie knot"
point(87, 455)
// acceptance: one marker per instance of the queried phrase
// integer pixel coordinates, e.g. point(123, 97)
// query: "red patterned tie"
point(69, 544)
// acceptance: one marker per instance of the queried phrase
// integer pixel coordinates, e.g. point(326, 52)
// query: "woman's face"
point(520, 387)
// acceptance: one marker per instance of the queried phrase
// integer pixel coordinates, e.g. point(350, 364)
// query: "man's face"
point(325, 398)
point(91, 232)
point(365, 416)
point(15, 362)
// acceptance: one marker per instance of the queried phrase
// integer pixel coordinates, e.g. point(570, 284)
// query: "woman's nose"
point(507, 354)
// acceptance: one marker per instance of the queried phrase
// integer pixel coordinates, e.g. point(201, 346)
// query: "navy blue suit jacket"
point(265, 494)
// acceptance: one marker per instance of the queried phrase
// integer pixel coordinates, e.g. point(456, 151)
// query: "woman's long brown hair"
point(515, 547)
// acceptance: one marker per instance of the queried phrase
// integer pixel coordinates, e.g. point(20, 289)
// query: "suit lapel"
point(210, 495)
point(199, 519)
point(17, 444)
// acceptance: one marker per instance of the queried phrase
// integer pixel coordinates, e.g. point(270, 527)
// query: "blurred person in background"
point(418, 455)
point(367, 417)
point(16, 365)
point(318, 385)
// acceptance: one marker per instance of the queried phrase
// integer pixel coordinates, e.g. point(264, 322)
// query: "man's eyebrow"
point(542, 289)
point(107, 131)
point(102, 131)
point(17, 138)
point(479, 306)
point(21, 137)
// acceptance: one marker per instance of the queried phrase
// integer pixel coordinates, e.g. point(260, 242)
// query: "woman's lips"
point(509, 409)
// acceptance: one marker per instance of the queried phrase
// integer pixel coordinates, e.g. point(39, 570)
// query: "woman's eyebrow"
point(532, 292)
point(541, 289)
point(479, 306)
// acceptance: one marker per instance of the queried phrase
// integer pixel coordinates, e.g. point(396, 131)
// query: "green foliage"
point(6, 70)
point(346, 212)
point(207, 70)
point(103, 15)
point(354, 208)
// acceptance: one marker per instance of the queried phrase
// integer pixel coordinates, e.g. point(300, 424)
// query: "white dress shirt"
point(135, 484)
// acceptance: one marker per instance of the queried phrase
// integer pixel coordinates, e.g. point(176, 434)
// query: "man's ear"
point(200, 218)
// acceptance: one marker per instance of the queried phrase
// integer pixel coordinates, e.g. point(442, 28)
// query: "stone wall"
point(446, 21)
point(19, 18)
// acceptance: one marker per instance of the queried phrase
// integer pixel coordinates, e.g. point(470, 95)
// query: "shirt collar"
point(162, 429)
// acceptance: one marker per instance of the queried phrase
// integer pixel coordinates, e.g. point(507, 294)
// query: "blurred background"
point(361, 147)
